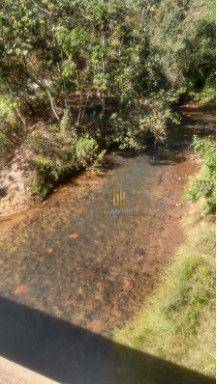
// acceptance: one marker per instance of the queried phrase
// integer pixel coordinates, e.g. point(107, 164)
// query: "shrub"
point(125, 130)
point(57, 155)
point(88, 152)
point(66, 127)
point(11, 127)
point(39, 188)
point(160, 115)
point(205, 183)
point(37, 142)
point(3, 140)
point(7, 106)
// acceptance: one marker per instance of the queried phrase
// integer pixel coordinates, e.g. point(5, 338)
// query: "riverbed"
point(93, 251)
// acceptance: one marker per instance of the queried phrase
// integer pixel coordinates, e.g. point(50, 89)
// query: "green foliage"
point(53, 157)
point(69, 68)
point(121, 51)
point(71, 40)
point(7, 107)
point(87, 152)
point(160, 115)
point(188, 54)
point(10, 132)
point(100, 82)
point(207, 94)
point(204, 184)
point(39, 188)
point(37, 142)
point(193, 288)
point(3, 140)
point(66, 124)
point(111, 71)
point(178, 320)
point(125, 131)
point(57, 155)
point(47, 167)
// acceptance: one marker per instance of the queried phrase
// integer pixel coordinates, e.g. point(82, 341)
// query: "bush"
point(125, 130)
point(3, 140)
point(205, 183)
point(11, 127)
point(39, 188)
point(57, 155)
point(160, 115)
point(88, 152)
point(7, 106)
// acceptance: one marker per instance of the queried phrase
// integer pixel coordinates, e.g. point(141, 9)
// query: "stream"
point(88, 257)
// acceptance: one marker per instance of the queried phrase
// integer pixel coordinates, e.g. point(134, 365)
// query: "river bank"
point(177, 322)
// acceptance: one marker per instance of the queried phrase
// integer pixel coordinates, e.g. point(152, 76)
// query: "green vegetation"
point(59, 152)
point(177, 323)
point(205, 183)
point(78, 77)
point(110, 71)
point(187, 53)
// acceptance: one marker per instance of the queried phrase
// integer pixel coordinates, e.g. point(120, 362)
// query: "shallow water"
point(87, 258)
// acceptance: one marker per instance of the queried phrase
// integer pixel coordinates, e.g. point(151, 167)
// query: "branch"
point(52, 104)
point(49, 13)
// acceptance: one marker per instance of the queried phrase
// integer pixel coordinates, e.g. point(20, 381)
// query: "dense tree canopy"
point(109, 70)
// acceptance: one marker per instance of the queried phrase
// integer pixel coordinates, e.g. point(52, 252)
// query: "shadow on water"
point(70, 354)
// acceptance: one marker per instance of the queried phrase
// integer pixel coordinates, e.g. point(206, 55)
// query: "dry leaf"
point(21, 289)
point(73, 235)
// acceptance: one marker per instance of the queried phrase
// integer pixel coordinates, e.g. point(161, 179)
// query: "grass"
point(177, 323)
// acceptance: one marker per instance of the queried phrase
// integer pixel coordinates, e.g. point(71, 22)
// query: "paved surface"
point(11, 373)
